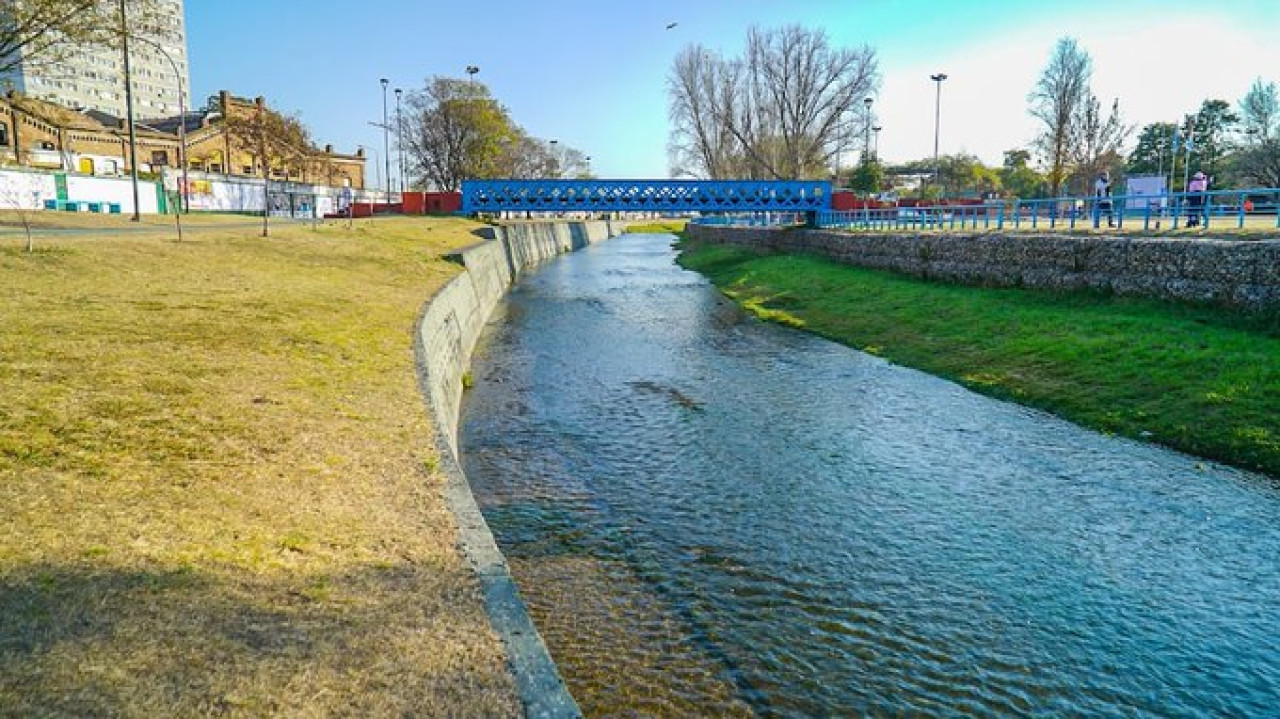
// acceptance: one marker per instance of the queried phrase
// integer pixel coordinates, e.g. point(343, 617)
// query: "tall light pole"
point(866, 132)
point(128, 104)
point(471, 73)
point(937, 121)
point(555, 159)
point(400, 137)
point(185, 197)
point(386, 138)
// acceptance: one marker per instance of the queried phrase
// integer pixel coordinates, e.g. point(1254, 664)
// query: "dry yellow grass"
point(217, 478)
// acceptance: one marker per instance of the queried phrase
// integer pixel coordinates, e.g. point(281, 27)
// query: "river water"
point(711, 515)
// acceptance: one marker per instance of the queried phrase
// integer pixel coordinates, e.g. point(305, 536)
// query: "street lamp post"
point(937, 121)
point(555, 159)
point(471, 73)
point(185, 196)
point(386, 138)
point(866, 132)
point(128, 103)
point(400, 139)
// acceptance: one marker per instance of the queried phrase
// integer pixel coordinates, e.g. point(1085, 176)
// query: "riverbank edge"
point(1243, 274)
point(972, 376)
point(448, 328)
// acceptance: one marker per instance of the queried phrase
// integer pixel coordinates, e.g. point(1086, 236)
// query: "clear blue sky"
point(592, 73)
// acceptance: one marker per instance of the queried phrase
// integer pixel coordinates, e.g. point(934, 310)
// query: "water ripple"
point(713, 516)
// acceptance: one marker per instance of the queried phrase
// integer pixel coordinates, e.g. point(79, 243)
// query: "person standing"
point(1102, 198)
point(1196, 189)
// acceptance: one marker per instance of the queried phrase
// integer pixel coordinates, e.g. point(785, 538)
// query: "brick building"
point(40, 134)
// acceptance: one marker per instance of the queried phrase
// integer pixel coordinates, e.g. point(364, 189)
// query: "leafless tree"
point(1058, 101)
point(275, 142)
point(1097, 141)
point(702, 143)
point(777, 112)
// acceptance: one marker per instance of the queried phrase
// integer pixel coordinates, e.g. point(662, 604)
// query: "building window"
point(160, 157)
point(248, 169)
point(4, 135)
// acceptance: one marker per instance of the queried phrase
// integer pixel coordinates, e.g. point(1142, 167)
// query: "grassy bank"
point(217, 478)
point(1201, 380)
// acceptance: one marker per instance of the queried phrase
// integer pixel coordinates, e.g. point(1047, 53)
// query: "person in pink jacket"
point(1196, 188)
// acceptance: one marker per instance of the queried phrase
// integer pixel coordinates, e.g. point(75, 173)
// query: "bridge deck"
point(706, 196)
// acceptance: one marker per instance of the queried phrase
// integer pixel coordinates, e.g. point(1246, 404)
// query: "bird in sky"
point(672, 25)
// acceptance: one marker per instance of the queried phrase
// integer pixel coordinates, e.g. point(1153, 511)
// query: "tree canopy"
point(38, 33)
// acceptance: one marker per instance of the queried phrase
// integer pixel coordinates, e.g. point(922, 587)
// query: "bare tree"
point(1058, 100)
point(1098, 140)
point(275, 142)
point(778, 112)
point(702, 141)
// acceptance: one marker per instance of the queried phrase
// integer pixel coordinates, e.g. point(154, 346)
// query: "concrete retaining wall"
point(450, 326)
point(1244, 274)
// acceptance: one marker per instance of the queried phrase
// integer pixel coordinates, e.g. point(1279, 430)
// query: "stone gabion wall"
point(1244, 274)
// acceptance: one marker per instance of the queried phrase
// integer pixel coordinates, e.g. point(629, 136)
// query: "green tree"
point(962, 174)
point(1153, 154)
point(454, 130)
point(41, 33)
point(1258, 160)
point(1019, 178)
point(868, 177)
point(1213, 126)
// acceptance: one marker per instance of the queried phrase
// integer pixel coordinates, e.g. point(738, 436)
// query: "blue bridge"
point(706, 196)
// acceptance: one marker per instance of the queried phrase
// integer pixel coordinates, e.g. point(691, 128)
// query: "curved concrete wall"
point(1236, 273)
point(451, 324)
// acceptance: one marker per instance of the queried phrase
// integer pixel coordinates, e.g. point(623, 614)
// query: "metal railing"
point(1247, 208)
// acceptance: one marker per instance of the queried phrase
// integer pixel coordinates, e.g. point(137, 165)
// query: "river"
point(712, 515)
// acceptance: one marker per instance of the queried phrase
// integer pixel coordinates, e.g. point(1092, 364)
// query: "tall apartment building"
point(94, 79)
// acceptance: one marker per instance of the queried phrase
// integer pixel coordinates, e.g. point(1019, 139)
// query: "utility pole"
point(128, 104)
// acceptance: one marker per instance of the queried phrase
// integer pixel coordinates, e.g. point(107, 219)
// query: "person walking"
point(1102, 200)
point(1196, 188)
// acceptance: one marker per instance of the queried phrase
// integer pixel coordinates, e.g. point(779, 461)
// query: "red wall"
point(432, 203)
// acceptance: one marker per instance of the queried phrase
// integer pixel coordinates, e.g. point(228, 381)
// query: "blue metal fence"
point(708, 196)
point(1255, 207)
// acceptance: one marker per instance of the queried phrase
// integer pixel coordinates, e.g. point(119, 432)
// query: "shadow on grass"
point(378, 641)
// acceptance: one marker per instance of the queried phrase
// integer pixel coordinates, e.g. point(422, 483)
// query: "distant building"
point(40, 134)
point(93, 79)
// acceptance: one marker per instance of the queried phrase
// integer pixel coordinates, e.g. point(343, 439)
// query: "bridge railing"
point(674, 196)
point(1246, 208)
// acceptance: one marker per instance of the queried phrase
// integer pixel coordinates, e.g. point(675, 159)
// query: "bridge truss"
point(706, 196)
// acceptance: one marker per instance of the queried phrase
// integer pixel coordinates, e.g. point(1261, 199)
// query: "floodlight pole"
point(937, 121)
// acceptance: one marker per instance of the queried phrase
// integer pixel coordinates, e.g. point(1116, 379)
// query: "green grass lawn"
point(1199, 379)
